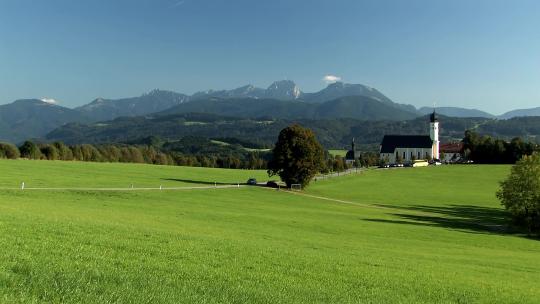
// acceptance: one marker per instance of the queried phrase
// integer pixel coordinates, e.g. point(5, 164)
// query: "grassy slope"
point(254, 245)
point(437, 186)
point(81, 174)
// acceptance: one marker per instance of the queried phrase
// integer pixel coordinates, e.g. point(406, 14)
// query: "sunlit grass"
point(254, 245)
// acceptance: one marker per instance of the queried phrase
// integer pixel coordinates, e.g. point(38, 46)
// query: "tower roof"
point(433, 117)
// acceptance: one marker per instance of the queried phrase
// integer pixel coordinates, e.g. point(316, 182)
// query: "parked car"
point(272, 184)
point(252, 182)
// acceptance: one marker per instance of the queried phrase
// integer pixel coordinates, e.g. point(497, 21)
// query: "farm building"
point(451, 152)
point(407, 148)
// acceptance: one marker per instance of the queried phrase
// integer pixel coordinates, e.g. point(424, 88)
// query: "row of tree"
point(128, 154)
point(338, 163)
point(195, 152)
point(489, 150)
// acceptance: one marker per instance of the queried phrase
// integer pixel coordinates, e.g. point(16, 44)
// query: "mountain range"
point(34, 118)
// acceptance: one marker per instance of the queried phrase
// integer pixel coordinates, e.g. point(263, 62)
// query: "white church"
point(412, 147)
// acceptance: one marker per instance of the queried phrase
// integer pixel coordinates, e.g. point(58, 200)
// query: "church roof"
point(391, 142)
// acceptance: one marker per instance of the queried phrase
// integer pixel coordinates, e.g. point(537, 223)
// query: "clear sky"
point(470, 53)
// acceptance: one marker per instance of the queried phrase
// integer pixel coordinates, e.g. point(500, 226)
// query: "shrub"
point(9, 151)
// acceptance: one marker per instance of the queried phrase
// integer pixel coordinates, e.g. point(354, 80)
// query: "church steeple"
point(434, 133)
point(353, 146)
point(433, 117)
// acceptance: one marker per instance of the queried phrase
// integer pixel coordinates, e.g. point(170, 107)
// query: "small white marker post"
point(238, 185)
point(132, 186)
point(160, 187)
point(215, 184)
point(22, 186)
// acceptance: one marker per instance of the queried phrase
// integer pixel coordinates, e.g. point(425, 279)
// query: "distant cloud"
point(49, 100)
point(331, 79)
point(178, 3)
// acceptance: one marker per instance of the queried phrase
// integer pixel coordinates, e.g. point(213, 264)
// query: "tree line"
point(188, 152)
point(489, 150)
point(143, 154)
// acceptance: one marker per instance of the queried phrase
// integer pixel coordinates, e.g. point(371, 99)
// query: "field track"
point(127, 189)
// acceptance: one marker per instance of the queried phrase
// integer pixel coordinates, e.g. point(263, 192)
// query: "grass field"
point(341, 153)
point(114, 175)
point(432, 235)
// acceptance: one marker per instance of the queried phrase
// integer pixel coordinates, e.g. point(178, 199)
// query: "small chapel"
point(408, 148)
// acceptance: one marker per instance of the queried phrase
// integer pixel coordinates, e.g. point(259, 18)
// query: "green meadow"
point(341, 153)
point(408, 235)
point(58, 174)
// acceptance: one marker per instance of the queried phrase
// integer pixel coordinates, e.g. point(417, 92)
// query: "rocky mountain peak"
point(283, 89)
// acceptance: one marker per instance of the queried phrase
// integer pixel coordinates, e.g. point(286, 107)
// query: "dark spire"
point(433, 117)
point(353, 145)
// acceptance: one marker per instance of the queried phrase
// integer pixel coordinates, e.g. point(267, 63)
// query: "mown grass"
point(437, 186)
point(253, 245)
point(115, 175)
point(341, 153)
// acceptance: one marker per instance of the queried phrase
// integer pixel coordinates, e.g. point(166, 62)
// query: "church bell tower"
point(434, 133)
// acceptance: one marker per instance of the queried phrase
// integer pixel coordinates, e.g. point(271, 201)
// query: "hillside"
point(333, 133)
point(521, 113)
point(357, 107)
point(456, 112)
point(527, 127)
point(155, 101)
point(33, 118)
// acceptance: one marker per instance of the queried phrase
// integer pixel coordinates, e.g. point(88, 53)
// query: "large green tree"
point(520, 192)
point(297, 156)
point(30, 150)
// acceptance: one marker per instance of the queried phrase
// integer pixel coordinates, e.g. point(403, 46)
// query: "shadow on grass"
point(199, 182)
point(472, 219)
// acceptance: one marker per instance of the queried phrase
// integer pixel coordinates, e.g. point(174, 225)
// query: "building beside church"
point(451, 152)
point(352, 154)
point(407, 148)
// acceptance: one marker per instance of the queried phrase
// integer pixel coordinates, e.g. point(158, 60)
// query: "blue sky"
point(470, 53)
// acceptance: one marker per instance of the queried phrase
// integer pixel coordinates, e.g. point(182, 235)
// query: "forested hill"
point(357, 107)
point(333, 133)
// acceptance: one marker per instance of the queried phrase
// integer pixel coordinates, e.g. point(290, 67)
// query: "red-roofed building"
point(451, 151)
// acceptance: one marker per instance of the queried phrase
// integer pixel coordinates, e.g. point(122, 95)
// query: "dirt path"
point(124, 189)
point(396, 210)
